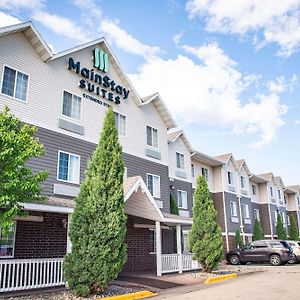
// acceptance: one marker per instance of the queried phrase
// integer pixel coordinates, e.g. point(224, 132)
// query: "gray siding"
point(248, 228)
point(54, 142)
point(273, 208)
point(183, 186)
point(231, 226)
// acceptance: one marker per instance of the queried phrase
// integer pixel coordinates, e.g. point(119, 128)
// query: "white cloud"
point(62, 26)
point(275, 21)
point(297, 122)
point(210, 93)
point(89, 7)
point(21, 4)
point(123, 40)
point(7, 20)
point(177, 37)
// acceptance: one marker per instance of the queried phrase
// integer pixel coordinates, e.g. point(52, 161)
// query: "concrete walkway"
point(275, 283)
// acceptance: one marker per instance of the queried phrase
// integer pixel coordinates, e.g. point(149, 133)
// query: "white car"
point(296, 250)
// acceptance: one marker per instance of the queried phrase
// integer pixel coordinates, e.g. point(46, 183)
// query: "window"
point(243, 182)
point(271, 191)
point(71, 106)
point(152, 241)
point(125, 172)
point(233, 209)
point(253, 189)
point(259, 244)
point(180, 160)
point(193, 170)
point(182, 199)
point(256, 214)
point(279, 194)
point(298, 200)
point(15, 84)
point(283, 217)
point(285, 200)
point(68, 167)
point(205, 173)
point(245, 209)
point(152, 137)
point(288, 220)
point(120, 122)
point(185, 237)
point(230, 177)
point(7, 243)
point(275, 216)
point(153, 184)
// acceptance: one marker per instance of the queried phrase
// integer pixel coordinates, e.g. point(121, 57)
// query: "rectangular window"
point(230, 177)
point(245, 209)
point(205, 173)
point(298, 200)
point(283, 217)
point(152, 137)
point(68, 167)
point(182, 199)
point(271, 191)
point(279, 194)
point(253, 189)
point(285, 199)
point(193, 170)
point(179, 160)
point(152, 241)
point(15, 84)
point(153, 184)
point(7, 243)
point(120, 122)
point(275, 216)
point(233, 209)
point(242, 182)
point(256, 214)
point(288, 220)
point(71, 106)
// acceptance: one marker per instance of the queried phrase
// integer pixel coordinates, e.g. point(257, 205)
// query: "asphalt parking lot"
point(274, 283)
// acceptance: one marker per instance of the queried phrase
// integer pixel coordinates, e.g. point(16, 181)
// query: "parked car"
point(296, 249)
point(277, 252)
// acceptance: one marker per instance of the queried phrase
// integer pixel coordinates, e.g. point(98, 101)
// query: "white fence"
point(170, 263)
point(23, 274)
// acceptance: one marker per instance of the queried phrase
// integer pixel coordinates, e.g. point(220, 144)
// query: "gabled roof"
point(279, 181)
point(268, 176)
point(161, 108)
point(33, 36)
point(242, 164)
point(225, 158)
point(206, 159)
point(258, 179)
point(293, 189)
point(175, 135)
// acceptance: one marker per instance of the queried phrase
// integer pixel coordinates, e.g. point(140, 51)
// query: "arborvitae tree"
point(258, 233)
point(205, 237)
point(173, 206)
point(17, 182)
point(238, 241)
point(294, 232)
point(281, 232)
point(98, 226)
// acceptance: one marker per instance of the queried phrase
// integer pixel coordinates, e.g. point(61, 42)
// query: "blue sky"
point(227, 70)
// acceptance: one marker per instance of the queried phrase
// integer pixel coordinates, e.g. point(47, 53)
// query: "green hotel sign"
point(100, 84)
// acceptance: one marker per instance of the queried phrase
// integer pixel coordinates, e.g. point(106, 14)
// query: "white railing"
point(23, 274)
point(170, 263)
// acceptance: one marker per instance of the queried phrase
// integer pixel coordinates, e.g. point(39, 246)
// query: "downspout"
point(224, 208)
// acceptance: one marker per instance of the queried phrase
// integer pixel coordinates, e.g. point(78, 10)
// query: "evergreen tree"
point(281, 232)
point(173, 206)
point(98, 226)
point(294, 232)
point(17, 182)
point(258, 233)
point(238, 241)
point(205, 237)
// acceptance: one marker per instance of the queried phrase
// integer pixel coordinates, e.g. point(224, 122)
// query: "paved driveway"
point(274, 283)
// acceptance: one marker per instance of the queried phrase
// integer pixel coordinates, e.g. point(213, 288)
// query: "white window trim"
point(183, 160)
point(257, 214)
point(153, 147)
point(203, 168)
point(57, 175)
point(14, 242)
point(255, 189)
point(244, 211)
point(182, 207)
point(74, 120)
point(154, 175)
point(119, 114)
point(235, 214)
point(232, 180)
point(13, 97)
point(154, 242)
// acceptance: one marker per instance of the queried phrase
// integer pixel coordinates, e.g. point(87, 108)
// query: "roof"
point(242, 163)
point(279, 181)
point(258, 179)
point(206, 159)
point(225, 158)
point(174, 135)
point(293, 189)
point(269, 177)
point(161, 108)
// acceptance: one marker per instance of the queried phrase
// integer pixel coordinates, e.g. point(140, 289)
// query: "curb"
point(220, 278)
point(131, 296)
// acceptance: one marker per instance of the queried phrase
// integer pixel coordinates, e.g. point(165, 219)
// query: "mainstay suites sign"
point(99, 83)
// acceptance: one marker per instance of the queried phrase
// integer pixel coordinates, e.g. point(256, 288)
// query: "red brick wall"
point(41, 239)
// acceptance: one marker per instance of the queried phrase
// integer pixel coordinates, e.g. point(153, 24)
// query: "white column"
point(179, 252)
point(69, 244)
point(158, 249)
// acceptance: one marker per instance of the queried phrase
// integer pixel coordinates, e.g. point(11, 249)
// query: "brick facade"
point(47, 239)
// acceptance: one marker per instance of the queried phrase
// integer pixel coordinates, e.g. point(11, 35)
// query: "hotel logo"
point(101, 60)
